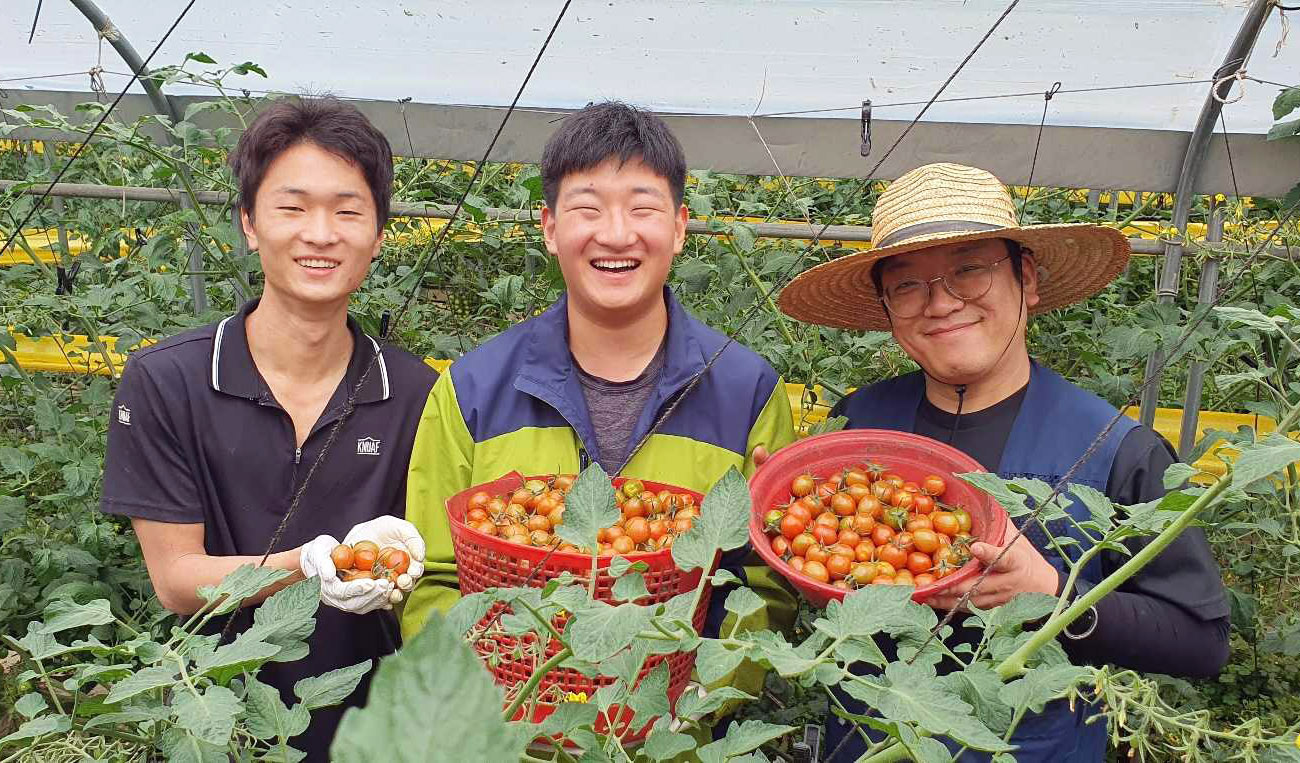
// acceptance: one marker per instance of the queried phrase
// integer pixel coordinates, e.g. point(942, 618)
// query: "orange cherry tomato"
point(623, 544)
point(797, 563)
point(918, 562)
point(363, 558)
point(838, 566)
point(864, 552)
point(849, 538)
point(882, 534)
point(918, 522)
point(842, 504)
point(817, 571)
point(538, 522)
point(924, 579)
point(801, 543)
point(817, 553)
point(825, 535)
point(945, 522)
point(638, 529)
point(791, 525)
point(780, 546)
point(893, 555)
point(925, 541)
point(341, 556)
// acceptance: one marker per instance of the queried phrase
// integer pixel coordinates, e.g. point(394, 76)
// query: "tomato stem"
point(531, 686)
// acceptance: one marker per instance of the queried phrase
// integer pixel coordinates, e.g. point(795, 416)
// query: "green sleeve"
point(441, 466)
point(773, 429)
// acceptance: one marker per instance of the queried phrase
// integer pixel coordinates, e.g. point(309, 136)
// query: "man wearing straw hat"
point(954, 277)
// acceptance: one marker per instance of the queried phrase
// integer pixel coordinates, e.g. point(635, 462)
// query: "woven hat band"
point(930, 228)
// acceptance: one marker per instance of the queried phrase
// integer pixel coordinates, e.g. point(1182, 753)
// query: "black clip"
point(1056, 88)
point(384, 319)
point(66, 278)
point(866, 127)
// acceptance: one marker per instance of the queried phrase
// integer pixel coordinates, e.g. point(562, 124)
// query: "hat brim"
point(1076, 260)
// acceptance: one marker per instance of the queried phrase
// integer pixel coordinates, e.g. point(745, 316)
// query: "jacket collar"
point(233, 372)
point(548, 371)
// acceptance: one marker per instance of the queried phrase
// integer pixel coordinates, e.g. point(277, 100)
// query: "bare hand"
point(1021, 570)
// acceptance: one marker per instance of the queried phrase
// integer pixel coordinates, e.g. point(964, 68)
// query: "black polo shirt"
point(195, 436)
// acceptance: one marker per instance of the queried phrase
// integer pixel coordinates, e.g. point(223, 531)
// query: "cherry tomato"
point(934, 485)
point(797, 563)
point(963, 518)
point(864, 552)
point(476, 515)
point(883, 580)
point(842, 504)
point(638, 529)
point(557, 516)
point(862, 574)
point(634, 507)
point(924, 579)
point(633, 488)
point(925, 541)
point(849, 538)
point(350, 575)
point(538, 522)
point(841, 584)
point(780, 546)
point(863, 524)
point(903, 499)
point(918, 562)
point(802, 542)
point(893, 479)
point(903, 540)
point(817, 571)
point(918, 522)
point(838, 566)
point(893, 555)
point(922, 503)
point(486, 526)
point(904, 577)
point(799, 511)
point(883, 491)
point(803, 485)
point(521, 496)
point(341, 556)
point(365, 545)
point(882, 534)
point(623, 544)
point(545, 505)
point(817, 553)
point(827, 519)
point(395, 560)
point(791, 526)
point(945, 522)
point(563, 482)
point(363, 558)
point(659, 528)
point(855, 476)
point(858, 492)
point(825, 535)
point(885, 568)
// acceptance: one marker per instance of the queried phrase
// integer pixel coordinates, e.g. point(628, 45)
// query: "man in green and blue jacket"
point(587, 379)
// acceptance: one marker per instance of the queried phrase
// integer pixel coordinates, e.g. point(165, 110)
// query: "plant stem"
point(1075, 568)
point(531, 686)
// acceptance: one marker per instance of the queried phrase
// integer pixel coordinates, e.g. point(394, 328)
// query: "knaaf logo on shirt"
point(367, 446)
point(124, 418)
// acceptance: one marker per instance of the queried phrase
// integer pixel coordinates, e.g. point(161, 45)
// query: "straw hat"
point(944, 204)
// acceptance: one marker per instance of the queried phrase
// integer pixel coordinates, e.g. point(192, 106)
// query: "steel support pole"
point(1167, 283)
point(1196, 372)
point(163, 105)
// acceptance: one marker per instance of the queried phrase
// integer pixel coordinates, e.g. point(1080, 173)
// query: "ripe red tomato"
point(780, 546)
point(341, 556)
point(904, 499)
point(817, 553)
point(817, 571)
point(934, 485)
point(856, 476)
point(791, 526)
point(623, 544)
point(918, 562)
point(394, 560)
point(825, 535)
point(849, 538)
point(838, 566)
point(803, 485)
point(893, 555)
point(870, 506)
point(882, 534)
point(843, 504)
point(864, 552)
point(800, 512)
point(827, 519)
point(922, 503)
point(826, 489)
point(363, 558)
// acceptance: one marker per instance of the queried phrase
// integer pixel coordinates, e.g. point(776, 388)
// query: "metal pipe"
point(163, 105)
point(1167, 285)
point(1187, 434)
point(784, 230)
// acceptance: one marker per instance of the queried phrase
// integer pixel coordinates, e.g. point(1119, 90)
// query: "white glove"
point(678, 722)
point(356, 596)
point(388, 530)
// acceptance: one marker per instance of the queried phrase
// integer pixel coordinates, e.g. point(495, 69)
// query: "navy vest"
point(1056, 425)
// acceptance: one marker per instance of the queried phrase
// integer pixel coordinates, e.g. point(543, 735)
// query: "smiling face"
point(962, 342)
point(615, 230)
point(314, 226)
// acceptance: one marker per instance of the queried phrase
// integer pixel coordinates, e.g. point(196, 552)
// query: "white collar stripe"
point(383, 369)
point(216, 351)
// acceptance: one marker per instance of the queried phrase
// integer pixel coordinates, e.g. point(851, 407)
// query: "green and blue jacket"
point(515, 404)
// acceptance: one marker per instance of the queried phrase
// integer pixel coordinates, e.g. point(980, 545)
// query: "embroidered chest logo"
point(367, 446)
point(124, 417)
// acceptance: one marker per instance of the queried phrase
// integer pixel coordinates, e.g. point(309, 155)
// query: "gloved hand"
point(388, 530)
point(356, 596)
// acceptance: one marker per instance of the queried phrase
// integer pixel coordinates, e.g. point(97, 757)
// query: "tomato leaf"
point(245, 581)
point(741, 738)
point(65, 614)
point(630, 587)
point(743, 602)
point(287, 618)
point(142, 681)
point(910, 694)
point(650, 698)
point(1022, 608)
point(714, 660)
point(266, 715)
point(330, 688)
point(663, 744)
point(588, 507)
point(1259, 461)
point(180, 746)
point(620, 565)
point(1177, 475)
point(39, 727)
point(722, 525)
point(210, 716)
point(567, 717)
point(1041, 685)
point(245, 653)
point(874, 609)
point(434, 669)
point(978, 685)
point(602, 630)
point(30, 705)
point(1099, 507)
point(1286, 102)
point(1011, 500)
point(466, 612)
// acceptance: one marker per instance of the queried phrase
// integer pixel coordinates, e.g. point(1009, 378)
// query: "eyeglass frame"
point(942, 277)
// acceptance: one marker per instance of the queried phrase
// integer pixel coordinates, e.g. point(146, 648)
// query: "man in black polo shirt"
point(213, 431)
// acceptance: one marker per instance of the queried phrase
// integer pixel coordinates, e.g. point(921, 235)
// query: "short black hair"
point(1014, 250)
point(608, 129)
point(335, 126)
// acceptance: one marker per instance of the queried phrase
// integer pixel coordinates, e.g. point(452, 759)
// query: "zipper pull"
point(584, 460)
point(297, 455)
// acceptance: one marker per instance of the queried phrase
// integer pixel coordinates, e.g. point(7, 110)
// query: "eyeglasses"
point(967, 281)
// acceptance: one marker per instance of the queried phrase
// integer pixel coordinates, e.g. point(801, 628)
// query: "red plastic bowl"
point(910, 455)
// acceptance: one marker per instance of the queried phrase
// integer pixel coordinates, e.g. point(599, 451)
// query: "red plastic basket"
point(910, 455)
point(484, 561)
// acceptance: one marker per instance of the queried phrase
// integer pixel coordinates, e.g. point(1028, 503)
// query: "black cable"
point(1033, 163)
point(35, 18)
point(961, 399)
point(103, 118)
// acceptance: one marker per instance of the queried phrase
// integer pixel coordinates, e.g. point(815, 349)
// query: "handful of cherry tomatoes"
point(365, 560)
point(865, 525)
point(649, 521)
